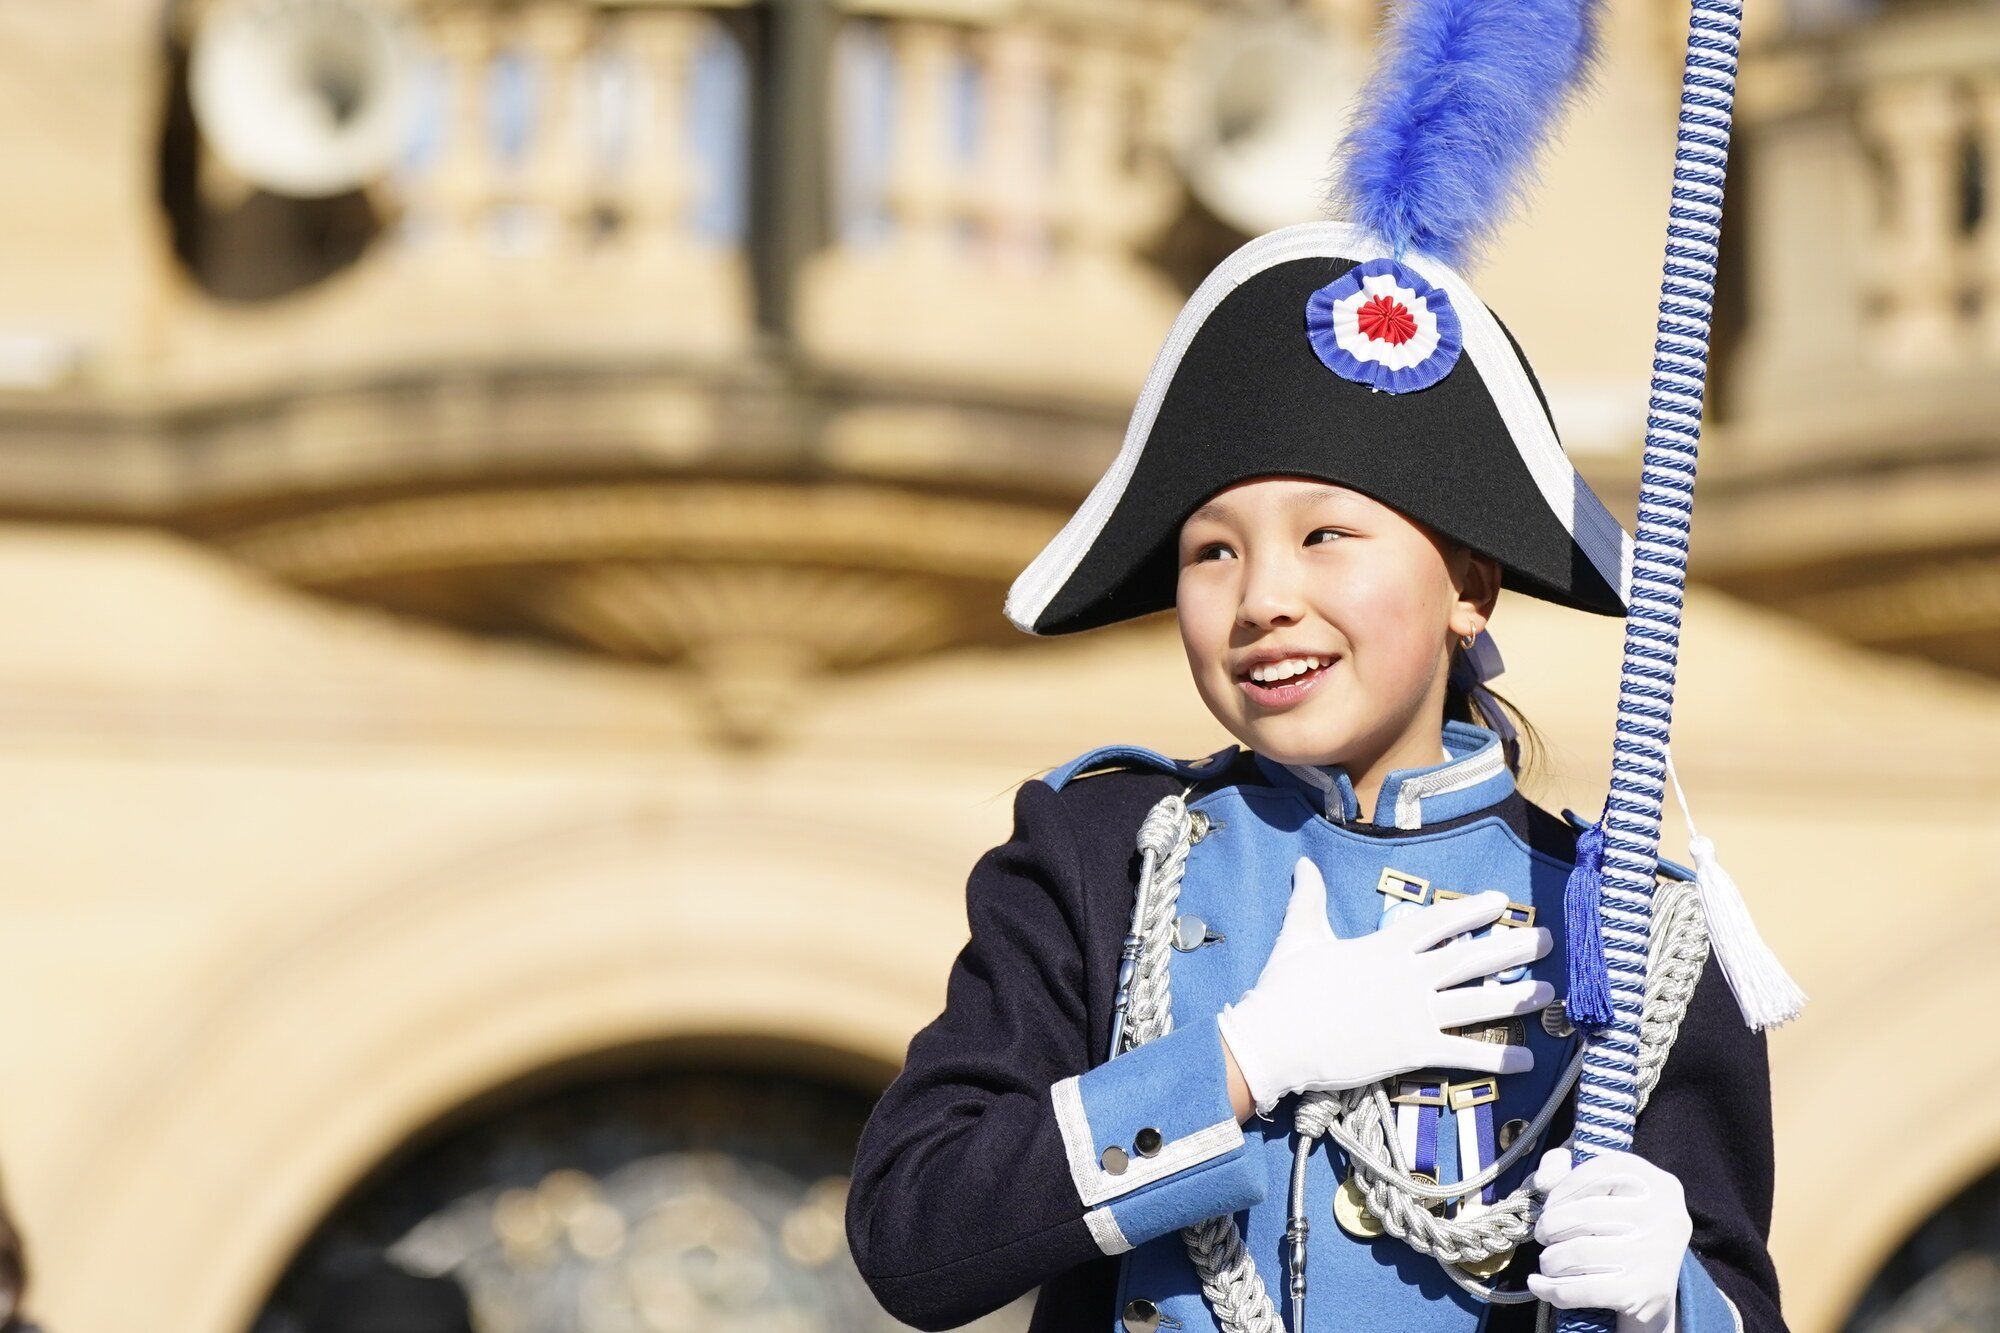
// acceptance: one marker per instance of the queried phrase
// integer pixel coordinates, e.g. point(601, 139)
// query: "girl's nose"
point(1271, 594)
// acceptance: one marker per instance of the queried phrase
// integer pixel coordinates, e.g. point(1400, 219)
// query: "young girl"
point(1363, 880)
point(1303, 1060)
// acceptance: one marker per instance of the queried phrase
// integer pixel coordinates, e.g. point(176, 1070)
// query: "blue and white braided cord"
point(1607, 1096)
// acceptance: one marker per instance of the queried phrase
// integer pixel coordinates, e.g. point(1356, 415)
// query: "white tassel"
point(1765, 993)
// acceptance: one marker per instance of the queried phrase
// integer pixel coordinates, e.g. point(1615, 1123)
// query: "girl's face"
point(1319, 622)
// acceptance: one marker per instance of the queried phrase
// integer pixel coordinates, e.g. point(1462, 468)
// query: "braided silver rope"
point(1358, 1118)
point(1229, 1277)
point(1167, 834)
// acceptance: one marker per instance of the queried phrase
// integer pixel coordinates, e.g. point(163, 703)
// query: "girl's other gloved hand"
point(1617, 1229)
point(1328, 1013)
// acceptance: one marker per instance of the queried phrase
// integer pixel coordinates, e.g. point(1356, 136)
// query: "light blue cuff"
point(1221, 1186)
point(1153, 1130)
point(1699, 1305)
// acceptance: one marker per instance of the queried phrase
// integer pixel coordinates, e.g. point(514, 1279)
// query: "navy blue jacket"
point(961, 1198)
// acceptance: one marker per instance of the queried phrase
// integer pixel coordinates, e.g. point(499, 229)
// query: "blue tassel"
point(1589, 1000)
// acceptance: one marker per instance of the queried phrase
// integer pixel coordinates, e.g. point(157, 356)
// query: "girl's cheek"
point(1376, 612)
point(1201, 634)
point(1390, 627)
point(1205, 615)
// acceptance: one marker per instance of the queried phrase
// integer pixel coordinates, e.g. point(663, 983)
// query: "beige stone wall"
point(78, 249)
point(285, 878)
point(285, 882)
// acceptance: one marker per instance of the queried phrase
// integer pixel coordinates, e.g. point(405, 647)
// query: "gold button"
point(1114, 1160)
point(1350, 1209)
point(1489, 1267)
point(1147, 1141)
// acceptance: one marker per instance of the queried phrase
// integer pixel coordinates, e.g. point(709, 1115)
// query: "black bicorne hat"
point(1311, 352)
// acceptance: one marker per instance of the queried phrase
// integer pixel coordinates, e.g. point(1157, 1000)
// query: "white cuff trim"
point(1104, 1229)
point(1094, 1184)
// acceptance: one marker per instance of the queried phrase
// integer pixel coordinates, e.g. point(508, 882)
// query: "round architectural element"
point(676, 1199)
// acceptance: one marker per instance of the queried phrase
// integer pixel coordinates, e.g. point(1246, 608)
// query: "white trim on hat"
point(1596, 532)
point(1604, 542)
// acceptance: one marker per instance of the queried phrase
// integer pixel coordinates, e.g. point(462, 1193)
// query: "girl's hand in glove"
point(1616, 1228)
point(1328, 1013)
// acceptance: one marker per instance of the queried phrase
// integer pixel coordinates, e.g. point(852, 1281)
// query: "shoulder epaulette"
point(1108, 758)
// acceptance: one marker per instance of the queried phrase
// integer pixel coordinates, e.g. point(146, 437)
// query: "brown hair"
point(1460, 707)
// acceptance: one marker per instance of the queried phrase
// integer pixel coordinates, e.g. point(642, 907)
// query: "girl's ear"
point(1478, 593)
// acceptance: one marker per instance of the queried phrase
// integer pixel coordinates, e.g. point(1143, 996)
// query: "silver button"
point(1511, 1131)
point(1555, 1020)
point(1142, 1316)
point(1191, 933)
point(1114, 1160)
point(1147, 1141)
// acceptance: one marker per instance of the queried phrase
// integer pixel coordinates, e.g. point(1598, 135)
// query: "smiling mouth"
point(1284, 693)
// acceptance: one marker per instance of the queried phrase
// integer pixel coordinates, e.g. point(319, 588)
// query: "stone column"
point(920, 182)
point(1012, 189)
point(556, 183)
point(1918, 126)
point(1985, 258)
point(461, 184)
point(655, 188)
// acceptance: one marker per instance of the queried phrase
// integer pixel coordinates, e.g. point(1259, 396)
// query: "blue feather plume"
point(1447, 128)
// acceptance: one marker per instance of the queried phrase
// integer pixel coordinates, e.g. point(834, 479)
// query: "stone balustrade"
point(998, 181)
point(1934, 136)
point(578, 185)
point(574, 188)
point(1868, 218)
point(1850, 477)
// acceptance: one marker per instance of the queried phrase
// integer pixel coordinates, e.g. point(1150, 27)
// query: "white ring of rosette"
point(1346, 322)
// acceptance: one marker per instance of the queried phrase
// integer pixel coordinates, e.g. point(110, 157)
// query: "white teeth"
point(1272, 672)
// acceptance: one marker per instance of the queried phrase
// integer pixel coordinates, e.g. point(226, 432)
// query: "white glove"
point(1328, 1013)
point(1616, 1228)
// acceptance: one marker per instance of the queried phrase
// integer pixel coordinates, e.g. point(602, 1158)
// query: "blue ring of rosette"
point(1400, 379)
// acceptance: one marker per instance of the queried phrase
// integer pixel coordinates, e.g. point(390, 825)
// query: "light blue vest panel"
point(1238, 880)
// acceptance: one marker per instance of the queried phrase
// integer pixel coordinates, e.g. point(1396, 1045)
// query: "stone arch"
point(244, 1125)
point(1912, 1148)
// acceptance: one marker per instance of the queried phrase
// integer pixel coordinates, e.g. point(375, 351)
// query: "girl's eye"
point(1212, 549)
point(1331, 532)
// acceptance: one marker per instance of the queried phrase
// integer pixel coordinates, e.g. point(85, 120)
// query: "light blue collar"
point(1473, 777)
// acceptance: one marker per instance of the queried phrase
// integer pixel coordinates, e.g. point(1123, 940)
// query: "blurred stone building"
point(504, 677)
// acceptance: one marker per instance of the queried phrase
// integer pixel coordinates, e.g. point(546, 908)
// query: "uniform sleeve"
point(1699, 1305)
point(1709, 1122)
point(1152, 1142)
point(982, 1171)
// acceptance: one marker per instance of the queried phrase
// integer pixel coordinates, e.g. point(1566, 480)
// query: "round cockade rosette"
point(1382, 325)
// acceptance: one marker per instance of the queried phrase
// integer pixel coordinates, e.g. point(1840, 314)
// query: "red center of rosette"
point(1386, 319)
